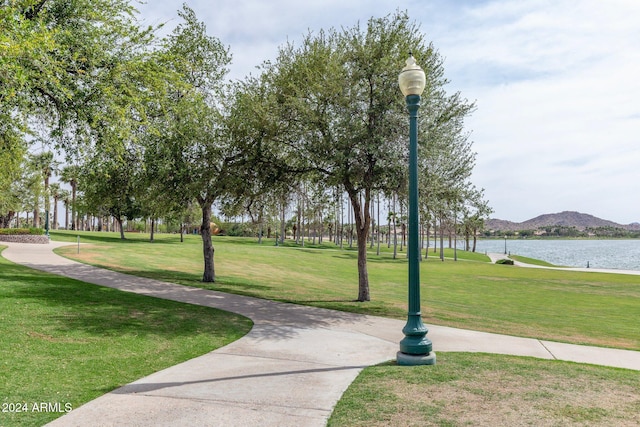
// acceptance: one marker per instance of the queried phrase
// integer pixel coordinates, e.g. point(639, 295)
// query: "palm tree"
point(46, 165)
point(56, 193)
point(69, 175)
point(64, 196)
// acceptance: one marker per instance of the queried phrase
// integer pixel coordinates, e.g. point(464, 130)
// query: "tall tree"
point(476, 211)
point(110, 185)
point(65, 73)
point(46, 165)
point(12, 155)
point(265, 180)
point(446, 160)
point(64, 196)
point(70, 174)
point(56, 193)
point(340, 96)
point(193, 154)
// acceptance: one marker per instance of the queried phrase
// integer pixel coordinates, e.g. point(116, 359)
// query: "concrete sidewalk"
point(290, 370)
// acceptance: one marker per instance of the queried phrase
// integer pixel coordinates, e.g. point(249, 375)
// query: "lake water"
point(617, 254)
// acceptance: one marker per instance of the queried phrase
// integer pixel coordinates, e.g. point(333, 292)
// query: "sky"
point(556, 84)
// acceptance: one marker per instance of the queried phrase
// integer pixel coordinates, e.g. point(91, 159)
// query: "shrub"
point(22, 231)
point(505, 261)
point(237, 230)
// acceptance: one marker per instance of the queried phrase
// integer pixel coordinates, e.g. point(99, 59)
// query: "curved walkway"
point(289, 370)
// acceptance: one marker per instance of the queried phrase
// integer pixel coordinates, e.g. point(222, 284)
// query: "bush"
point(505, 261)
point(237, 230)
point(22, 231)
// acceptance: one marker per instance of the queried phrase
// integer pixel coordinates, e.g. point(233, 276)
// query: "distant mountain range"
point(562, 219)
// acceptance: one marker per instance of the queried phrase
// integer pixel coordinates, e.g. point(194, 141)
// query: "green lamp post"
point(415, 347)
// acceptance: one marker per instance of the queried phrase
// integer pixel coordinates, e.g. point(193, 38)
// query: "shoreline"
point(602, 254)
point(498, 256)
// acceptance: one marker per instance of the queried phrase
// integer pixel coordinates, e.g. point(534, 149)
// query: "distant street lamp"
point(415, 347)
point(505, 244)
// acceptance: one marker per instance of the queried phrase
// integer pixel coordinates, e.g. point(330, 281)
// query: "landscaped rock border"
point(24, 238)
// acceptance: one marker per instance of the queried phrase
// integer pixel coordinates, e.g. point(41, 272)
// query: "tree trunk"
point(119, 221)
point(373, 225)
point(441, 239)
point(395, 237)
point(475, 239)
point(378, 233)
point(260, 225)
point(389, 224)
point(467, 238)
point(455, 238)
point(421, 239)
point(5, 220)
point(66, 215)
point(341, 221)
point(283, 229)
point(403, 228)
point(426, 250)
point(55, 213)
point(363, 221)
point(74, 214)
point(153, 223)
point(207, 245)
point(298, 229)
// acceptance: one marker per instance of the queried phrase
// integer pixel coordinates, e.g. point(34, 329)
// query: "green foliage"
point(109, 184)
point(63, 63)
point(73, 73)
point(570, 232)
point(154, 125)
point(22, 231)
point(191, 157)
point(505, 261)
point(12, 155)
point(341, 115)
point(237, 230)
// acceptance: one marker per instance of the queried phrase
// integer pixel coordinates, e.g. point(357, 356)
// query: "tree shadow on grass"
point(112, 238)
point(284, 320)
point(374, 259)
point(222, 284)
point(104, 311)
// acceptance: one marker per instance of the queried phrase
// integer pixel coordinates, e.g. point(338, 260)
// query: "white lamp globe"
point(412, 79)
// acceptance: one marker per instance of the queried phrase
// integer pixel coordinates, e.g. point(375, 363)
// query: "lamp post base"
point(404, 359)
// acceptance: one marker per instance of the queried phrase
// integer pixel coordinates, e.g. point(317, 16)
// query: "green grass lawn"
point(532, 261)
point(465, 389)
point(577, 307)
point(67, 342)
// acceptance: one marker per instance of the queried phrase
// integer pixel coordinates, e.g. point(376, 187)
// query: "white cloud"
point(557, 120)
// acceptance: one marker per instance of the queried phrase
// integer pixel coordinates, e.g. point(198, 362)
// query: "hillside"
point(578, 220)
